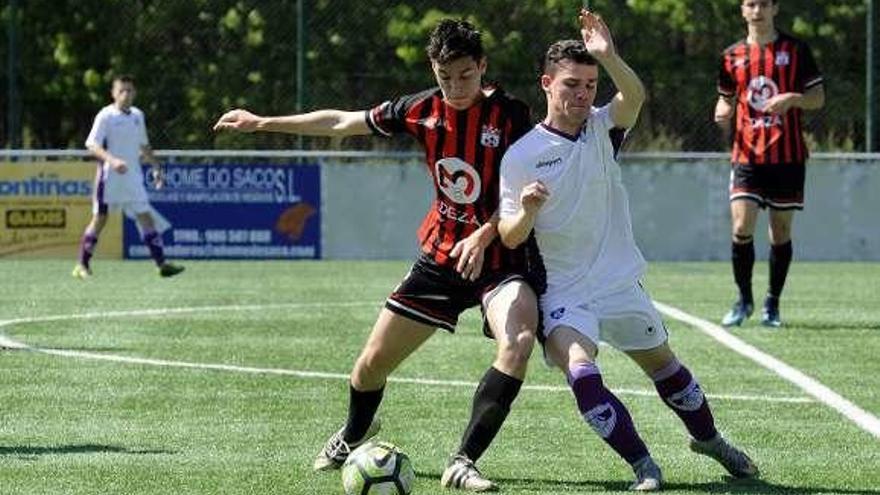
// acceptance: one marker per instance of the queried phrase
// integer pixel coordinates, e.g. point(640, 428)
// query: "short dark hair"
point(573, 50)
point(452, 39)
point(123, 78)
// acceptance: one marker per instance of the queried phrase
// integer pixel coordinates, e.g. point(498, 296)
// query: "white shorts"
point(119, 192)
point(130, 208)
point(625, 320)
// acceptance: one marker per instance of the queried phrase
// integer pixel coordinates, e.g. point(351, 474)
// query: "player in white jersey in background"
point(562, 180)
point(119, 139)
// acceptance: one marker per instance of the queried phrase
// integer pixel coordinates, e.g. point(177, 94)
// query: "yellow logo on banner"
point(46, 205)
point(36, 219)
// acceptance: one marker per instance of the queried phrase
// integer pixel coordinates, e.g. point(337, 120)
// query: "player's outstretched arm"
point(318, 123)
point(630, 91)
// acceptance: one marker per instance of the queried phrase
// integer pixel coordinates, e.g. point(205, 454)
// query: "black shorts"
point(437, 295)
point(778, 186)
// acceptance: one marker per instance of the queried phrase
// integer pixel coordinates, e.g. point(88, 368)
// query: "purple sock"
point(605, 413)
point(87, 247)
point(154, 242)
point(681, 393)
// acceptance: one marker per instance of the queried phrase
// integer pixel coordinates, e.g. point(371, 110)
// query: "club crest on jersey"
point(782, 58)
point(458, 180)
point(491, 136)
point(557, 313)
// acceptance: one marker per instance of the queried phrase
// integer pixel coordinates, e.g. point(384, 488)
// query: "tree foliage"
point(193, 59)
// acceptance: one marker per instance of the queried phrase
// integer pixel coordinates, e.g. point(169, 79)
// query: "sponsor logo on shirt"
point(557, 313)
point(458, 180)
point(761, 89)
point(453, 213)
point(549, 163)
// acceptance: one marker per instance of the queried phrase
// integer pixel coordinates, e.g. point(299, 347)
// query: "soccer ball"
point(377, 468)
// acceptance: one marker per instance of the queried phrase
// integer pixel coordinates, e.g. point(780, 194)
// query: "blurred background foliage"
point(193, 59)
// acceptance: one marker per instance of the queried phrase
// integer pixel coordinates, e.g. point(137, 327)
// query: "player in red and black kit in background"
point(766, 80)
point(465, 128)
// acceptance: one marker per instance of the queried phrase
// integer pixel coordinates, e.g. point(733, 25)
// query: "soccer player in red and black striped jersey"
point(464, 127)
point(765, 82)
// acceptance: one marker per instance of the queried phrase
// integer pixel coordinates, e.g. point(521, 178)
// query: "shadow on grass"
point(727, 485)
point(29, 451)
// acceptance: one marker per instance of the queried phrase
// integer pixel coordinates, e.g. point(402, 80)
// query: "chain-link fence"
point(193, 59)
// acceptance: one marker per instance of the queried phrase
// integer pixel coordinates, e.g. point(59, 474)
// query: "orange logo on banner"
point(293, 220)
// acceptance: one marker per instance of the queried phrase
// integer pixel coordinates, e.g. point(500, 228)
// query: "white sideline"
point(823, 394)
point(6, 342)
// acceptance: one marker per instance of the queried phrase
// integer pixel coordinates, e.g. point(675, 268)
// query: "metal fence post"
point(871, 139)
point(301, 49)
point(13, 119)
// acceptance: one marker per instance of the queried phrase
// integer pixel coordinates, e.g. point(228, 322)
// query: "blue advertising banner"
point(234, 212)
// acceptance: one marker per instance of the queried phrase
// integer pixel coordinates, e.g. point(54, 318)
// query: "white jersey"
point(122, 134)
point(584, 231)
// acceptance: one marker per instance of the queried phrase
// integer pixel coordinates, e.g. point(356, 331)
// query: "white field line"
point(811, 386)
point(13, 344)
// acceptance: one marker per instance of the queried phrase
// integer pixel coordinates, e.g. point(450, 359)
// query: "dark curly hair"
point(573, 50)
point(452, 39)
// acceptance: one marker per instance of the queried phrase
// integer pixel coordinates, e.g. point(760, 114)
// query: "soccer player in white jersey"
point(562, 180)
point(119, 139)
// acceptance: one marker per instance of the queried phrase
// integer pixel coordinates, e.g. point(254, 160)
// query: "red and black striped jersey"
point(753, 74)
point(463, 151)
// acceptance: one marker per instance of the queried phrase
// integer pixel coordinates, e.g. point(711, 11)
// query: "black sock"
point(492, 401)
point(743, 258)
point(362, 408)
point(780, 260)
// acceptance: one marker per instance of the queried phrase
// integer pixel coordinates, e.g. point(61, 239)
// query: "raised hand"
point(533, 197)
point(596, 35)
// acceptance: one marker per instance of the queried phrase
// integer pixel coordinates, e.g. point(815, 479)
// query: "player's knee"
point(515, 348)
point(370, 369)
point(742, 238)
point(742, 232)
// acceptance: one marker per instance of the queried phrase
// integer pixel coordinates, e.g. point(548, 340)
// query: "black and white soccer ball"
point(377, 468)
